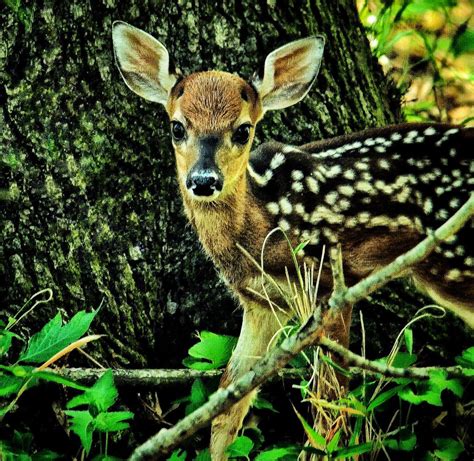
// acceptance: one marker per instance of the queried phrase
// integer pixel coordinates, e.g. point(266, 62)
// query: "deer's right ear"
point(289, 73)
point(143, 62)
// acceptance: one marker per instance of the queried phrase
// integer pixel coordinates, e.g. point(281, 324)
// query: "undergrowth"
point(89, 414)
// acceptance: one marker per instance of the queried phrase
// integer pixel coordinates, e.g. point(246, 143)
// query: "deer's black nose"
point(204, 183)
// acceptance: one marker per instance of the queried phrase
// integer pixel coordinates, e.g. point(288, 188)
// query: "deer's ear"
point(143, 62)
point(289, 73)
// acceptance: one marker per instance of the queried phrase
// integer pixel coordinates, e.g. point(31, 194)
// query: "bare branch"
point(361, 363)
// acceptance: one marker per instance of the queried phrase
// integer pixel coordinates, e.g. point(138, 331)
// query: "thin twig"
point(362, 364)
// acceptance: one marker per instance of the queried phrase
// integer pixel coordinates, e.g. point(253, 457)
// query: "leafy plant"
point(53, 341)
point(211, 352)
point(97, 417)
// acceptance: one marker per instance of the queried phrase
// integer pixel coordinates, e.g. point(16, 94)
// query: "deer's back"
point(378, 193)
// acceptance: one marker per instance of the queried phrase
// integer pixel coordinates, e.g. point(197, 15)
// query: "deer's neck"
point(221, 225)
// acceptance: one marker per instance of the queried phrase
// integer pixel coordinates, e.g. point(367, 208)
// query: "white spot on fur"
point(312, 184)
point(349, 174)
point(331, 198)
point(442, 214)
point(261, 180)
point(361, 166)
point(330, 235)
point(363, 217)
point(404, 221)
point(364, 150)
point(299, 209)
point(284, 225)
point(469, 261)
point(344, 204)
point(273, 208)
point(297, 186)
point(297, 175)
point(453, 275)
point(277, 160)
point(454, 203)
point(429, 131)
point(364, 186)
point(396, 137)
point(384, 164)
point(451, 131)
point(376, 221)
point(351, 222)
point(428, 206)
point(333, 171)
point(346, 190)
point(285, 205)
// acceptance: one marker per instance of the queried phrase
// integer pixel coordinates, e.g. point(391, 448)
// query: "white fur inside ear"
point(289, 72)
point(143, 62)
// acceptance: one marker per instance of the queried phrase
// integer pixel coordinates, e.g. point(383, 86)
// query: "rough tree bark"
point(89, 201)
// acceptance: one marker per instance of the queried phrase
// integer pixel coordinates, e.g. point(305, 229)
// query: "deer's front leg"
point(259, 326)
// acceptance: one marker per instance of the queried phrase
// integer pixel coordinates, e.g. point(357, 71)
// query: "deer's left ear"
point(289, 73)
point(143, 62)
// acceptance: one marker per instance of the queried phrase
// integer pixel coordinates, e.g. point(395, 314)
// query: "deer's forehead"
point(213, 100)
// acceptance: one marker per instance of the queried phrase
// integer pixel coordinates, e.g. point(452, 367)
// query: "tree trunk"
point(89, 201)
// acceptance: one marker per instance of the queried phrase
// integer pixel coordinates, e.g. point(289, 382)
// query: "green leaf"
point(300, 247)
point(178, 455)
point(408, 334)
point(211, 352)
point(6, 341)
point(357, 430)
point(112, 421)
point(466, 359)
point(384, 396)
point(417, 7)
point(203, 455)
point(10, 385)
point(102, 395)
point(263, 404)
point(240, 447)
point(316, 439)
point(353, 450)
point(448, 448)
point(404, 360)
point(103, 457)
point(55, 378)
point(333, 443)
point(405, 442)
point(275, 454)
point(198, 397)
point(430, 390)
point(464, 41)
point(81, 423)
point(55, 336)
point(46, 455)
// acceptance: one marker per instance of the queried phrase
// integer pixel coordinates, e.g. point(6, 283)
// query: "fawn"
point(377, 192)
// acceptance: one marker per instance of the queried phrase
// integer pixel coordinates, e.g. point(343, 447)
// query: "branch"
point(362, 364)
point(167, 439)
point(156, 377)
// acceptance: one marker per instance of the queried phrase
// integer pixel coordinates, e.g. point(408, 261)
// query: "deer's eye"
point(178, 131)
point(241, 134)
